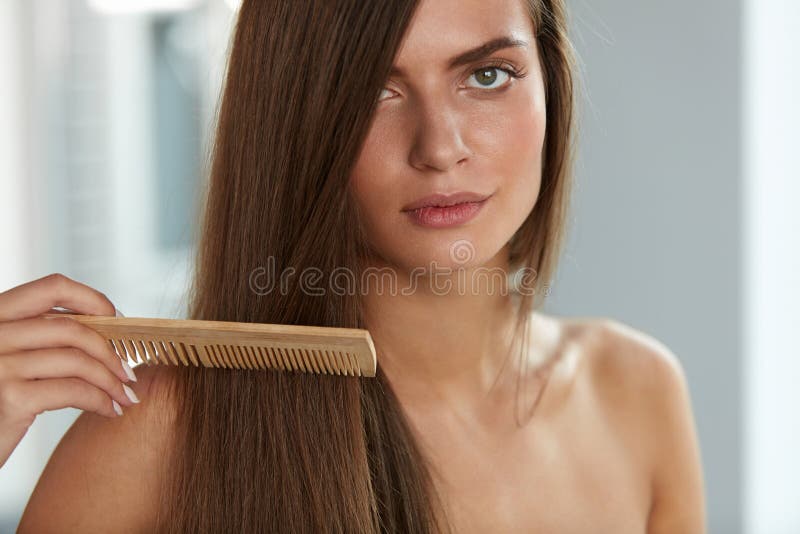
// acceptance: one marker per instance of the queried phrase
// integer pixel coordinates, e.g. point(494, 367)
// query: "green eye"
point(487, 75)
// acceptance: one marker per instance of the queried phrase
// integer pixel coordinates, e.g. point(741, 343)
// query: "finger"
point(38, 333)
point(39, 296)
point(64, 362)
point(32, 397)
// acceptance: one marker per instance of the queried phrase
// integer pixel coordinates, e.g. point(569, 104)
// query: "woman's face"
point(471, 127)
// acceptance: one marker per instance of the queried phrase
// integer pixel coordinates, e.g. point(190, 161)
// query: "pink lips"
point(443, 211)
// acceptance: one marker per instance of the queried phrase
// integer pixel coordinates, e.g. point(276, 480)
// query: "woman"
point(342, 120)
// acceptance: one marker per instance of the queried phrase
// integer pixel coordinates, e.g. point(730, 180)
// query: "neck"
point(435, 345)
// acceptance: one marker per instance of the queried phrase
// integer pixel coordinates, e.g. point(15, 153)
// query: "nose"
point(438, 144)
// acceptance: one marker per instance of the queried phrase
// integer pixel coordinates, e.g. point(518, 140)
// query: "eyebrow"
point(474, 54)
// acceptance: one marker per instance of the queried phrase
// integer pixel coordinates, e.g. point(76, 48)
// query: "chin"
point(456, 250)
point(407, 246)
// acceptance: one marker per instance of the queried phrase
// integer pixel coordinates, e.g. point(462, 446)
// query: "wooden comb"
point(311, 349)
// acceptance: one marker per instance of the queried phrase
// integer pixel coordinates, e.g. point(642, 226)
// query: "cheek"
point(375, 191)
point(518, 143)
point(368, 181)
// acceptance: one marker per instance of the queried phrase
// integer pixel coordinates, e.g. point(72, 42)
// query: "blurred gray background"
point(684, 222)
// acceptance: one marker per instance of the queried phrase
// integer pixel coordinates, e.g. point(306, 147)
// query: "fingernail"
point(116, 407)
point(129, 392)
point(128, 370)
point(118, 313)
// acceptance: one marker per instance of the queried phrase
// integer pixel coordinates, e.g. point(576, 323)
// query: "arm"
point(678, 487)
point(105, 473)
point(649, 388)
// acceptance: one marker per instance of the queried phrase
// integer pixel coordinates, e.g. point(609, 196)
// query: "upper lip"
point(445, 199)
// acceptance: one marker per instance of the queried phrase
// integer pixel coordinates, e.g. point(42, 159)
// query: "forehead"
point(442, 29)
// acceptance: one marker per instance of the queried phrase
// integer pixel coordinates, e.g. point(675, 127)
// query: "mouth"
point(447, 215)
point(443, 200)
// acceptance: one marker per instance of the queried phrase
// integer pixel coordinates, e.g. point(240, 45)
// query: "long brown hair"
point(294, 452)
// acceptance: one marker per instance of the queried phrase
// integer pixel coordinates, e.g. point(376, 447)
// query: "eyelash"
point(499, 65)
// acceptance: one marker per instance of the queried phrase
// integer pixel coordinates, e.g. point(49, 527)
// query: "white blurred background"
point(106, 107)
point(684, 225)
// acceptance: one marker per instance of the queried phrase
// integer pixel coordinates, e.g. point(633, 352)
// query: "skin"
point(607, 441)
point(47, 364)
point(437, 130)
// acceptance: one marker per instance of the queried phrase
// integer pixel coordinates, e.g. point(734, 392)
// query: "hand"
point(51, 363)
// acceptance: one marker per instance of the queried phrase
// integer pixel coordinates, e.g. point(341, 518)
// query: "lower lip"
point(446, 217)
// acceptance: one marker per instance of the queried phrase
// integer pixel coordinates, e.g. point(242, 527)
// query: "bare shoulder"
point(642, 386)
point(626, 361)
point(105, 474)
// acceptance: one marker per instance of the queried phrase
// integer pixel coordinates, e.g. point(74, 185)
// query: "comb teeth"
point(231, 345)
point(229, 356)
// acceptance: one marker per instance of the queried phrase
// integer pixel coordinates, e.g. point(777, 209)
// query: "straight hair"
point(294, 452)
